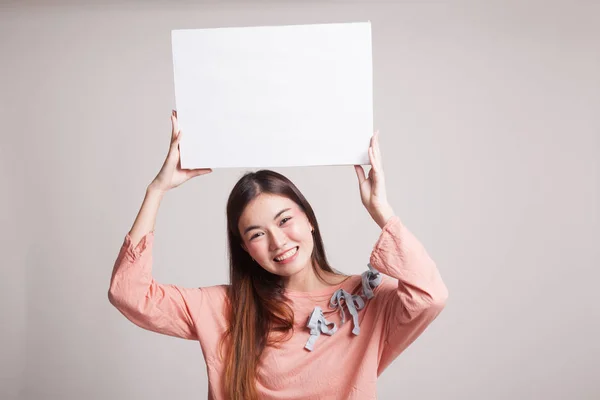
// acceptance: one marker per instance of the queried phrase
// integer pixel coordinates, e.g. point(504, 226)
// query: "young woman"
point(288, 326)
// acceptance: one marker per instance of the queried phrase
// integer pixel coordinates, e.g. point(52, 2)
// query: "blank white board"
point(274, 96)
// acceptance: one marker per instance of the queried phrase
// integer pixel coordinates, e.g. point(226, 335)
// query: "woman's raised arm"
point(133, 290)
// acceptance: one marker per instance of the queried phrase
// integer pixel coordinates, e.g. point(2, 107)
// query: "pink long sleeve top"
point(344, 336)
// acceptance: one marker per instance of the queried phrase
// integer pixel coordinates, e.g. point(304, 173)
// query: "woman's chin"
point(290, 269)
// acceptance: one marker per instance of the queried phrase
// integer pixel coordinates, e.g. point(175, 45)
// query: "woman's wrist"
point(154, 189)
point(383, 215)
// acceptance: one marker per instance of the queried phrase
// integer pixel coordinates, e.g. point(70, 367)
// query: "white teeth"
point(287, 254)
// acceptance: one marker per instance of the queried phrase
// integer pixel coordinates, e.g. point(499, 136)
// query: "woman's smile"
point(288, 256)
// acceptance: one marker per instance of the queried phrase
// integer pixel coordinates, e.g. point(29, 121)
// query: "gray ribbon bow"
point(370, 280)
point(354, 302)
point(318, 324)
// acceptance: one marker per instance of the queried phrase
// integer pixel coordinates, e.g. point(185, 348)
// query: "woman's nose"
point(278, 240)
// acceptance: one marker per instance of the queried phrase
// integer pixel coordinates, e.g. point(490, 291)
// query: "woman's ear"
point(244, 247)
point(312, 228)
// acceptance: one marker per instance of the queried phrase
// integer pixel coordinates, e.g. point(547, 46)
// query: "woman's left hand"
point(372, 189)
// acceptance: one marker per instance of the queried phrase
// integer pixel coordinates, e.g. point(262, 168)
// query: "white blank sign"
point(275, 96)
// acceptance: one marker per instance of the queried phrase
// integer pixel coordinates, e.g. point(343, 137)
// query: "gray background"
point(490, 130)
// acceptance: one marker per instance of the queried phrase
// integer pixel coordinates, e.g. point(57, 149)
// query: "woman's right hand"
point(171, 175)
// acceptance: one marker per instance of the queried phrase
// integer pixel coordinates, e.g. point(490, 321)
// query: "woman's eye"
point(283, 221)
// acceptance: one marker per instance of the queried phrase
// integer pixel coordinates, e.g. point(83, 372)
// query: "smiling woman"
point(260, 334)
point(285, 240)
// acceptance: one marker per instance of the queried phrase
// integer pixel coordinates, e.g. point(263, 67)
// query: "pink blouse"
point(327, 357)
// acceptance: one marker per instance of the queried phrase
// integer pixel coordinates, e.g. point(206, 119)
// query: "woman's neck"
point(307, 280)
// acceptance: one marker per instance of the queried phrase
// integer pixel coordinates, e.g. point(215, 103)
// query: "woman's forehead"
point(266, 206)
point(269, 203)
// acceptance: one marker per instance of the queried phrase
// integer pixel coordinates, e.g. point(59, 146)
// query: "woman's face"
point(277, 234)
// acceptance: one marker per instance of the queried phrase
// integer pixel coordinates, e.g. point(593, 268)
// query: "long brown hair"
point(257, 303)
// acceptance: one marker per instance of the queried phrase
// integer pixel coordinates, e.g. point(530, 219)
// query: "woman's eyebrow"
point(248, 229)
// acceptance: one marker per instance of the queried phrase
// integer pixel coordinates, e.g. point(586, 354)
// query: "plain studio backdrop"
point(490, 131)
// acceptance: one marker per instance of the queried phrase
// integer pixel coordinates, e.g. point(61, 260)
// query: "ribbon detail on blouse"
point(318, 324)
point(354, 303)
